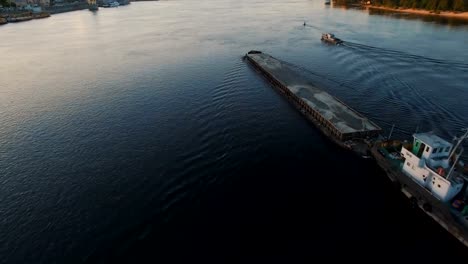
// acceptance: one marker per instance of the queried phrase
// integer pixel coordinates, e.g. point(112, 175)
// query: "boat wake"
point(404, 55)
point(383, 84)
point(423, 89)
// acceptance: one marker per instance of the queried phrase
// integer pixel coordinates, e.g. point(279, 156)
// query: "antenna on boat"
point(454, 150)
point(460, 140)
point(391, 131)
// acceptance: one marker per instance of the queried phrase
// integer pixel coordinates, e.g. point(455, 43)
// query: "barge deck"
point(334, 118)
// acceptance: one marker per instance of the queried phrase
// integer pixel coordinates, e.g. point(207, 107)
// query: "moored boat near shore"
point(41, 15)
point(20, 18)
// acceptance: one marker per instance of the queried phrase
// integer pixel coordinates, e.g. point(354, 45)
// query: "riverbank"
point(67, 8)
point(21, 16)
point(458, 15)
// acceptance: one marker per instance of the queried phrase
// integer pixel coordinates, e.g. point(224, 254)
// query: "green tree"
point(443, 5)
point(459, 5)
point(432, 5)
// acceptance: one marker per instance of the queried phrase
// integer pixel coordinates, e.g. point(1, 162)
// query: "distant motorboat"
point(19, 18)
point(330, 38)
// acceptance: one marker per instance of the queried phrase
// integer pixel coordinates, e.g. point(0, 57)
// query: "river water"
point(139, 132)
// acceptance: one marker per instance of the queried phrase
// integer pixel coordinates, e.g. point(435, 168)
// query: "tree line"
point(7, 3)
point(442, 5)
point(434, 5)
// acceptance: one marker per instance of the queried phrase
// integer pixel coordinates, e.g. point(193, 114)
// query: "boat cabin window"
point(447, 149)
point(441, 149)
point(427, 149)
point(417, 143)
point(434, 150)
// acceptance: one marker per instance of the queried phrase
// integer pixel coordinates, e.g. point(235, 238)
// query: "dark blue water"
point(139, 133)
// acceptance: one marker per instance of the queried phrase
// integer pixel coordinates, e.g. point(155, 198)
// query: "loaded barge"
point(427, 171)
point(336, 120)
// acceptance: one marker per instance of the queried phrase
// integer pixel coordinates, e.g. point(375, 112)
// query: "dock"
point(337, 120)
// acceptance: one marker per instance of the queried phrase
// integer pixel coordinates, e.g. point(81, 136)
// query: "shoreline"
point(21, 17)
point(448, 14)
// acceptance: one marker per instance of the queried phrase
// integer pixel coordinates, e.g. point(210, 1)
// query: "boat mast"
point(460, 140)
point(454, 150)
point(391, 131)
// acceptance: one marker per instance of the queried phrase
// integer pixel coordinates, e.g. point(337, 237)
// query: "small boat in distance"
point(327, 2)
point(111, 4)
point(330, 38)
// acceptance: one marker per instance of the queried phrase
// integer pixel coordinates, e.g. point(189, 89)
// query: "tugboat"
point(330, 38)
point(429, 173)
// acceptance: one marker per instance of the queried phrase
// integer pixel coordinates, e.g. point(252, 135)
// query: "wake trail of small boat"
point(409, 88)
point(405, 98)
point(312, 27)
point(405, 55)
